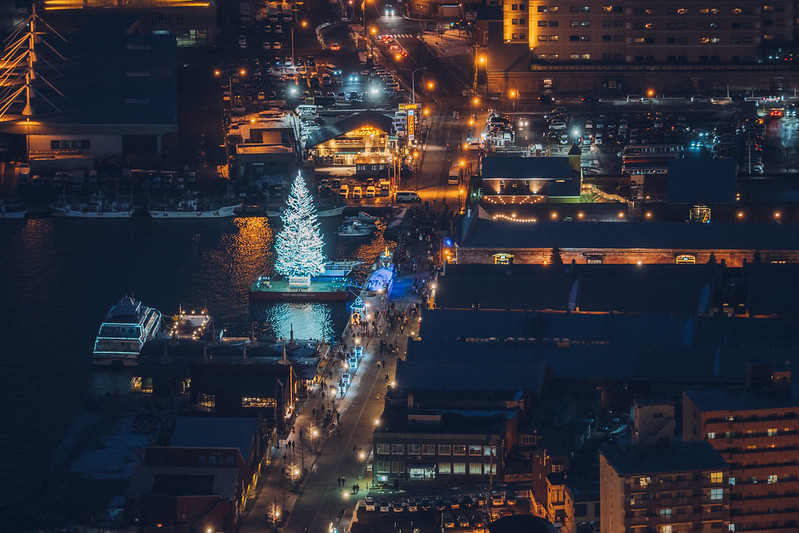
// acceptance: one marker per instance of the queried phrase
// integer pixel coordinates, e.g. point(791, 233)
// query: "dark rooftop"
point(504, 167)
point(484, 232)
point(702, 181)
point(214, 432)
point(654, 289)
point(679, 457)
point(741, 399)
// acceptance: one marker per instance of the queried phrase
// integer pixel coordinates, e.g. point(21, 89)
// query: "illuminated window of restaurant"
point(503, 259)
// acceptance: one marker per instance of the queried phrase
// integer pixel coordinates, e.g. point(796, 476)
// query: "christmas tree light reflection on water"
point(306, 320)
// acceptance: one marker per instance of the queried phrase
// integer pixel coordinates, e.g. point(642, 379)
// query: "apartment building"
point(656, 31)
point(674, 489)
point(662, 46)
point(756, 430)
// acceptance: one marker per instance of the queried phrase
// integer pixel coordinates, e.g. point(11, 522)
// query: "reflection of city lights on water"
point(305, 320)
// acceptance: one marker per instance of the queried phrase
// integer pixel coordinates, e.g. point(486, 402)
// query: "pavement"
point(311, 497)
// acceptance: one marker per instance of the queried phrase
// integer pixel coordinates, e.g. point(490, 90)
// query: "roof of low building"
point(702, 181)
point(434, 369)
point(743, 399)
point(215, 432)
point(521, 523)
point(113, 78)
point(654, 289)
point(508, 167)
point(497, 234)
point(678, 457)
point(353, 122)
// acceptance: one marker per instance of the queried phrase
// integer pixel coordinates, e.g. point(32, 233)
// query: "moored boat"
point(128, 325)
point(12, 210)
point(355, 228)
point(192, 209)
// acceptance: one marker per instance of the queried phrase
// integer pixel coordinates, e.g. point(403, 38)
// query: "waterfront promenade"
point(313, 500)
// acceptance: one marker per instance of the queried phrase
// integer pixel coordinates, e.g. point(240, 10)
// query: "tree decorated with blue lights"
point(299, 243)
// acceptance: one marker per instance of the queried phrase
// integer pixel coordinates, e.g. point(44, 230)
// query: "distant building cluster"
point(653, 398)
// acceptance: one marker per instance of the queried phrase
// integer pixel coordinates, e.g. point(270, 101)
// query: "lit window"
point(716, 477)
point(772, 432)
point(644, 481)
point(731, 481)
point(665, 512)
point(772, 478)
point(716, 494)
point(711, 435)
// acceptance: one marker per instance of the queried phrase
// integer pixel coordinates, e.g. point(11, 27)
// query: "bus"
point(649, 159)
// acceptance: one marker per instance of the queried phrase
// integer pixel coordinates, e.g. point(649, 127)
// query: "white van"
point(407, 197)
point(344, 190)
point(357, 192)
point(305, 110)
point(454, 176)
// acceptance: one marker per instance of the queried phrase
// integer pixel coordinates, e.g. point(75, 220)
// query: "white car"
point(557, 125)
point(369, 504)
point(346, 378)
point(242, 41)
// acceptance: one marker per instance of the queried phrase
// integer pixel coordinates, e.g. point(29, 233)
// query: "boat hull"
point(222, 212)
point(115, 361)
point(73, 213)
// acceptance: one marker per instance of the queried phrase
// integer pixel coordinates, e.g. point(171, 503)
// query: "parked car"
point(383, 506)
point(448, 521)
point(463, 520)
point(369, 504)
point(397, 506)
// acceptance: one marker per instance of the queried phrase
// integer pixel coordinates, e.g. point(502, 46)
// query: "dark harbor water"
point(58, 279)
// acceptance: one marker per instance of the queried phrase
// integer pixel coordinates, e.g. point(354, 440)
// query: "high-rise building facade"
point(667, 489)
point(651, 32)
point(757, 432)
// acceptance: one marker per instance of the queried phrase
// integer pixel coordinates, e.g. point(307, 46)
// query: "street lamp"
point(514, 95)
point(413, 81)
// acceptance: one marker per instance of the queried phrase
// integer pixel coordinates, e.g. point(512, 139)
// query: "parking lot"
point(422, 515)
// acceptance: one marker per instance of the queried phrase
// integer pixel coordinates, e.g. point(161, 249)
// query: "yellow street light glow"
point(373, 30)
point(777, 214)
point(650, 93)
point(481, 60)
point(621, 215)
point(475, 100)
point(398, 57)
point(580, 214)
point(430, 84)
point(649, 214)
point(740, 214)
point(304, 23)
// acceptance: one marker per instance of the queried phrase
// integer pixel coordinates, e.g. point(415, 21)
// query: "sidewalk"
point(334, 449)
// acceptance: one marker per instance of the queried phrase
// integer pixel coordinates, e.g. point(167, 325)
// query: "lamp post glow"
point(413, 81)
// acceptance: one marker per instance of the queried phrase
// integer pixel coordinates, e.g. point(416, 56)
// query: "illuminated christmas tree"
point(299, 243)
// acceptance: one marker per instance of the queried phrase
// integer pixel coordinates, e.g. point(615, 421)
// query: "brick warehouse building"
point(487, 240)
point(756, 430)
